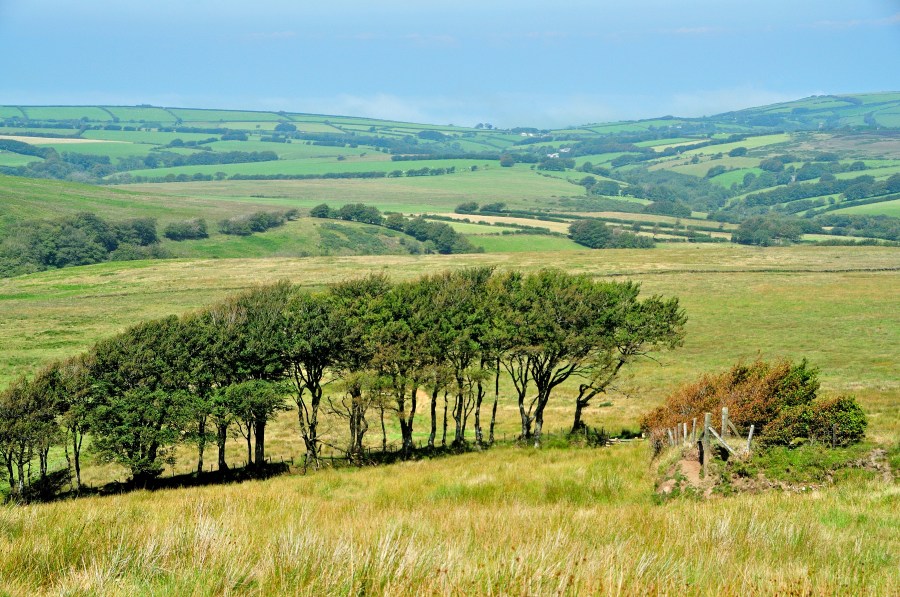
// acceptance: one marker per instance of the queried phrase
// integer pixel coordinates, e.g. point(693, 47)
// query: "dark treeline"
point(259, 221)
point(594, 234)
point(436, 237)
point(361, 349)
point(851, 189)
point(481, 155)
point(81, 239)
point(91, 168)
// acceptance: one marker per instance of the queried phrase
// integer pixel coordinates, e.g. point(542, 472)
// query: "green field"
point(313, 166)
point(521, 243)
point(886, 208)
point(518, 187)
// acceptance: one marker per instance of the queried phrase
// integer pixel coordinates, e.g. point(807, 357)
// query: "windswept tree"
point(254, 403)
point(395, 327)
point(76, 399)
point(633, 329)
point(352, 300)
point(139, 374)
point(27, 428)
point(312, 340)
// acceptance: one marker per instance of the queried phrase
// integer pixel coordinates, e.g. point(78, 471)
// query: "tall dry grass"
point(514, 521)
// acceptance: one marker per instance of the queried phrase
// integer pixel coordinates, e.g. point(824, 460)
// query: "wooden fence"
point(727, 436)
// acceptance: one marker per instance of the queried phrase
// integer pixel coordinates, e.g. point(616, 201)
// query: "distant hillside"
point(832, 159)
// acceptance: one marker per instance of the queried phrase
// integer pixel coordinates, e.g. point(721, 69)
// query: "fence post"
point(724, 422)
point(694, 431)
point(684, 437)
point(671, 439)
point(749, 437)
point(707, 420)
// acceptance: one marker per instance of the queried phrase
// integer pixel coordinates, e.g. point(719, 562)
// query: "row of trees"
point(361, 346)
point(437, 236)
point(595, 234)
point(80, 239)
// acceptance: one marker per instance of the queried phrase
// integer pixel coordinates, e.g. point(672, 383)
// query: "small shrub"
point(842, 415)
point(186, 230)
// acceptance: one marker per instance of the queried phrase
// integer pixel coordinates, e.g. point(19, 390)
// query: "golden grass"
point(512, 521)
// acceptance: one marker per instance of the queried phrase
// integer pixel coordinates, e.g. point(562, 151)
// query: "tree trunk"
point(249, 444)
point(578, 424)
point(383, 432)
point(434, 397)
point(539, 418)
point(11, 475)
point(221, 438)
point(526, 419)
point(406, 422)
point(496, 401)
point(77, 438)
point(201, 444)
point(444, 435)
point(479, 434)
point(458, 411)
point(21, 480)
point(260, 432)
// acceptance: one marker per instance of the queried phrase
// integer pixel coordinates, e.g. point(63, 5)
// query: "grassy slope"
point(519, 187)
point(513, 521)
point(886, 208)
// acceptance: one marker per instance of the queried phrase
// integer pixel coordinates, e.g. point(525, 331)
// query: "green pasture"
point(221, 116)
point(92, 113)
point(145, 137)
point(885, 208)
point(671, 142)
point(734, 176)
point(297, 149)
point(518, 187)
point(750, 143)
point(14, 160)
point(140, 114)
point(878, 173)
point(372, 162)
point(113, 150)
point(520, 243)
point(27, 198)
point(11, 112)
point(25, 132)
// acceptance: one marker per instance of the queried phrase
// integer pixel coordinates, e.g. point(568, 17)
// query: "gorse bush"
point(778, 398)
point(840, 420)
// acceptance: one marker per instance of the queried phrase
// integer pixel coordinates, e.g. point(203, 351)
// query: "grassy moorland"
point(740, 302)
point(514, 520)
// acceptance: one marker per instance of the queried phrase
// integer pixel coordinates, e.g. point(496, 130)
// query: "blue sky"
point(511, 63)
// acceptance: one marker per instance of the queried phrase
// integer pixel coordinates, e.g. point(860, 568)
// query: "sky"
point(505, 62)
